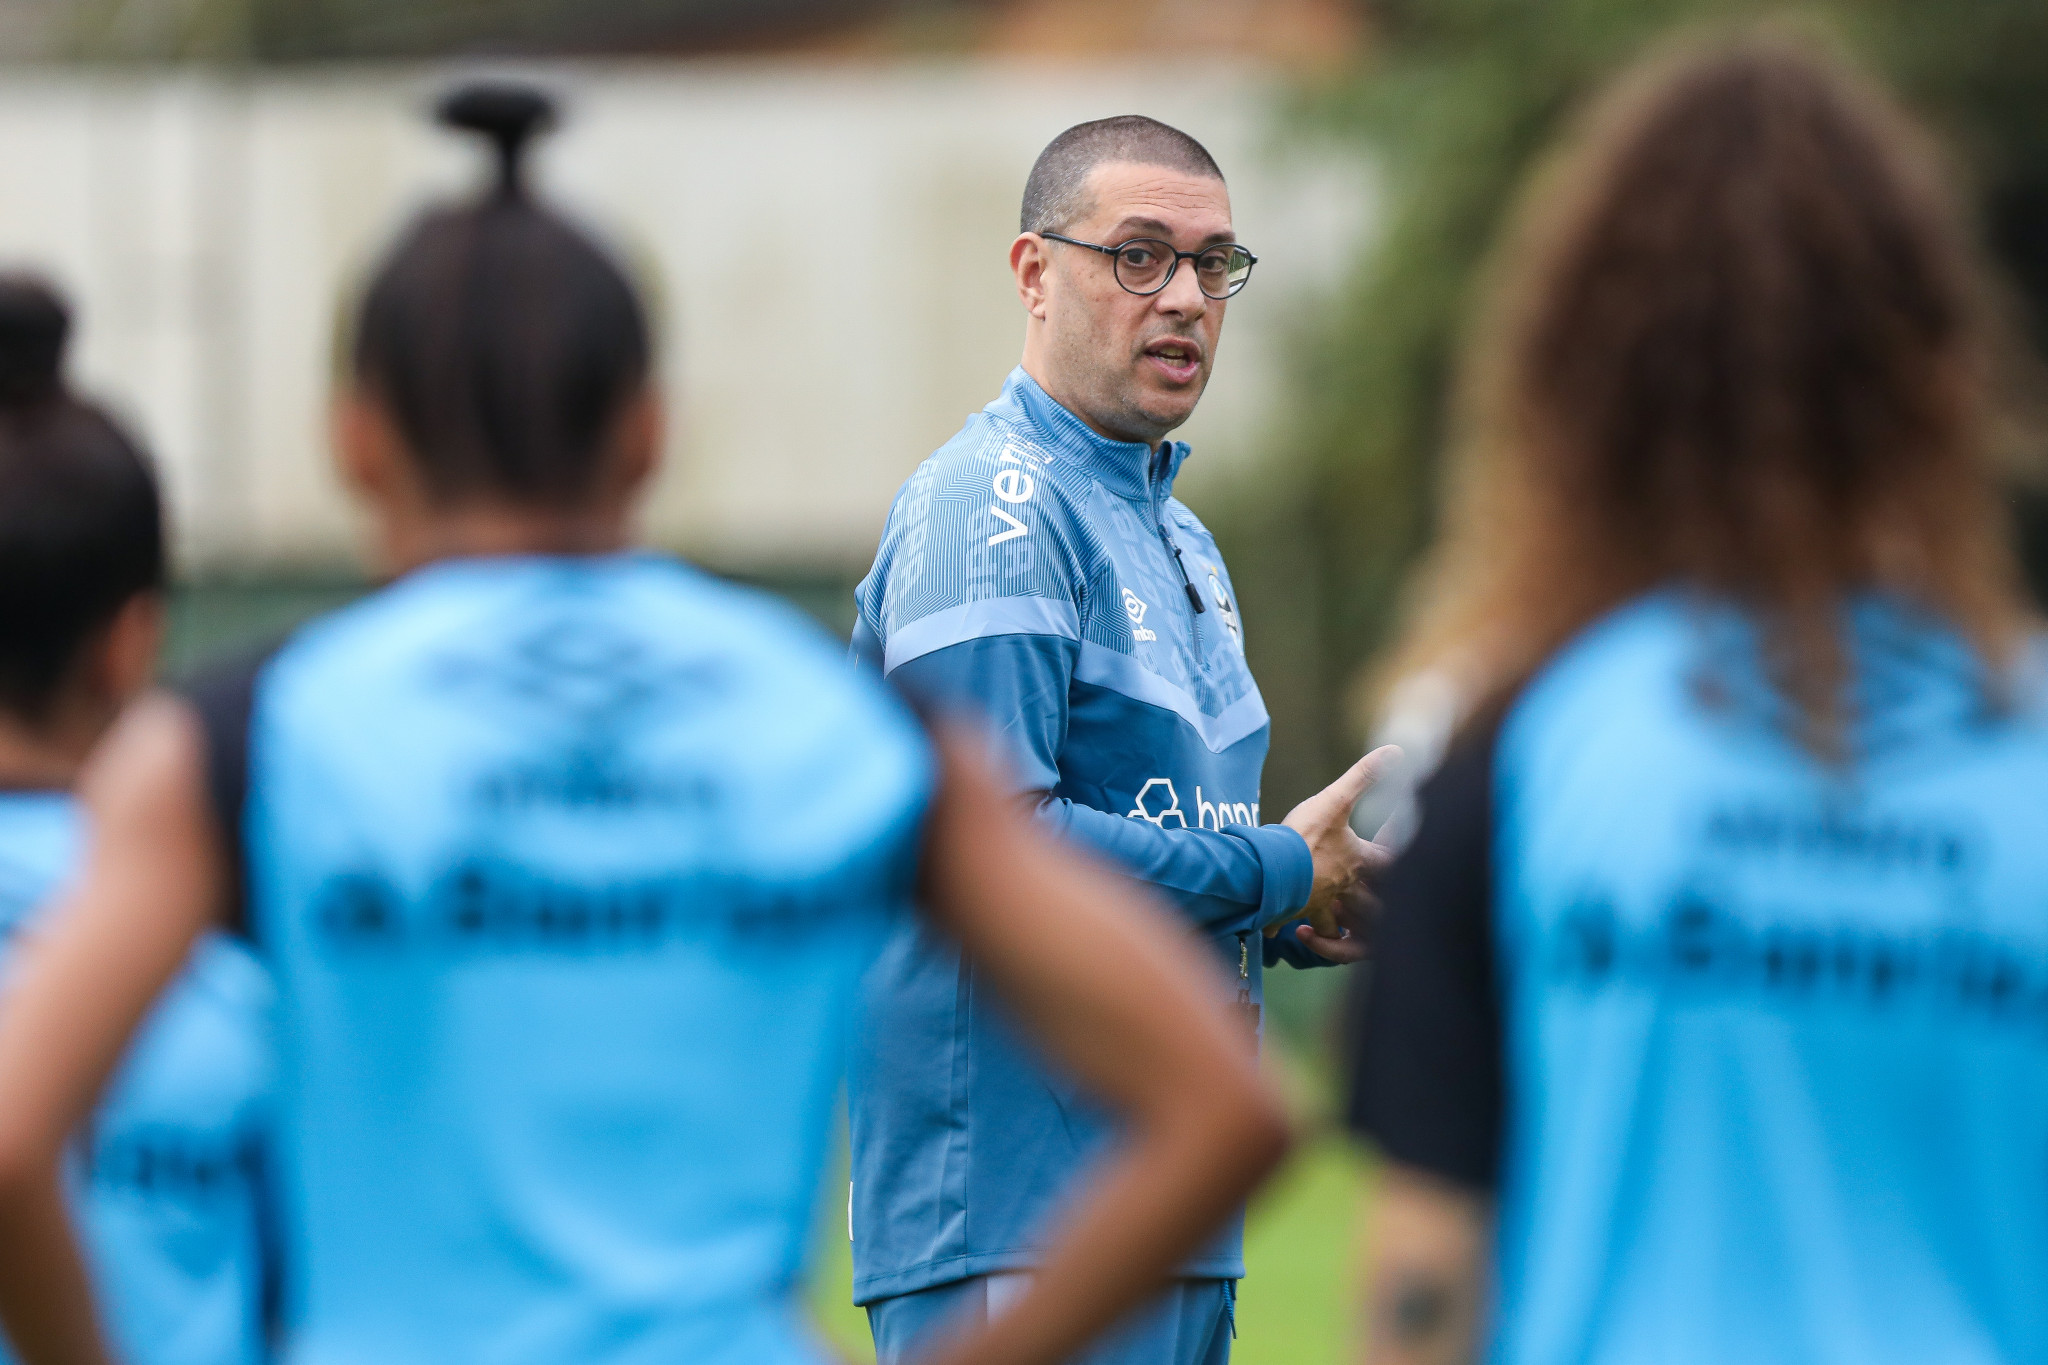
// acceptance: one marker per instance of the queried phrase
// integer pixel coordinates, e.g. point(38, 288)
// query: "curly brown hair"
point(1738, 340)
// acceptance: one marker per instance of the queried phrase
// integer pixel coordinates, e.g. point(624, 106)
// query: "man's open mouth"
point(1179, 360)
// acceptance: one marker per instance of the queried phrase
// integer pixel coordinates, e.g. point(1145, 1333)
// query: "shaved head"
point(1057, 192)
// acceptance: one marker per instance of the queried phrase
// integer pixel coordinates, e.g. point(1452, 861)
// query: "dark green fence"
point(219, 617)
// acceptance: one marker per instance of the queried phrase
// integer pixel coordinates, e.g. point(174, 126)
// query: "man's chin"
point(1168, 408)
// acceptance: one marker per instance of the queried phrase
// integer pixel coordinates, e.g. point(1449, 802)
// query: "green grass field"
point(1300, 1250)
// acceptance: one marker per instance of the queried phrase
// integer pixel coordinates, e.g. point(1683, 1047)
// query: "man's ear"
point(1029, 262)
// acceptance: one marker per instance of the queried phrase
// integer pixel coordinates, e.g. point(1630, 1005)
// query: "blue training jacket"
point(166, 1183)
point(1766, 1037)
point(1046, 577)
point(568, 869)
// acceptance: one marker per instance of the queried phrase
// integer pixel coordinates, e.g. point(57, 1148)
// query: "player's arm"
point(1241, 879)
point(1427, 1076)
point(1115, 992)
point(1426, 1242)
point(151, 882)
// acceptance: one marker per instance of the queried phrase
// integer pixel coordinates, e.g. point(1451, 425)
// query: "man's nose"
point(1183, 296)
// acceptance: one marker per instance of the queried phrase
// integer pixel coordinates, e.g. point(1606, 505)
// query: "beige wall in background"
point(827, 248)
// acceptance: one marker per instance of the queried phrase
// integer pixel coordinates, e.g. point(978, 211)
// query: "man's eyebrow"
point(1152, 227)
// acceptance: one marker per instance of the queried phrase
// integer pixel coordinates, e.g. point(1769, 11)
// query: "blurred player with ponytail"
point(568, 859)
point(165, 1177)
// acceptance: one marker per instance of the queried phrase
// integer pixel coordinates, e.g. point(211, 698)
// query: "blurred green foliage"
point(297, 30)
point(329, 30)
point(1457, 97)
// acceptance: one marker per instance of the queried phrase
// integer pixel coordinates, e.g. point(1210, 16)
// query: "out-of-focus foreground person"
point(568, 859)
point(1711, 1017)
point(165, 1180)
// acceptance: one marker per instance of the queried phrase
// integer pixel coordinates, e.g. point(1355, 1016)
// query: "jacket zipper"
point(1186, 583)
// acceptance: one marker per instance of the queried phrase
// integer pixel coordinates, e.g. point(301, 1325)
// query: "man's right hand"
point(1346, 866)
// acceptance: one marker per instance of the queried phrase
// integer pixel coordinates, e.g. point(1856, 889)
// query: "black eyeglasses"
point(1145, 265)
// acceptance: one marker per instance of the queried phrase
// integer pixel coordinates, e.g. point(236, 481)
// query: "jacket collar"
point(1125, 468)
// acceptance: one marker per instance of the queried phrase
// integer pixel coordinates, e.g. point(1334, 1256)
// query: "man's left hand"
point(1349, 945)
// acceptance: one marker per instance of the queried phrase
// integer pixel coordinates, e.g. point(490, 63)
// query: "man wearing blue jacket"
point(1038, 569)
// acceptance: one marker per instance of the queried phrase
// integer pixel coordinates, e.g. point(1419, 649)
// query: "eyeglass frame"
point(1178, 256)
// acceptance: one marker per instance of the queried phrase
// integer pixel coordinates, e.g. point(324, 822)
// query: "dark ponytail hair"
point(503, 340)
point(81, 523)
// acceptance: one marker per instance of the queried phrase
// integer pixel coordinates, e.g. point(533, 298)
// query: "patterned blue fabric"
point(1028, 572)
point(569, 869)
point(1777, 1030)
point(167, 1184)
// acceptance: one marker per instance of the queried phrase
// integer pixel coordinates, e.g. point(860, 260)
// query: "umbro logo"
point(588, 672)
point(1136, 609)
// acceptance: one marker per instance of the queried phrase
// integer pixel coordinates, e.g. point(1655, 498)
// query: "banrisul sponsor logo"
point(167, 1162)
point(1158, 803)
point(1702, 948)
point(1216, 814)
point(496, 905)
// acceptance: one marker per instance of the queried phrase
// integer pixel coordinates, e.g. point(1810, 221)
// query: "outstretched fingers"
point(1367, 773)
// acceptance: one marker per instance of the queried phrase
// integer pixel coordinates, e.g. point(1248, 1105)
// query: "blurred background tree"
point(1454, 97)
point(1293, 32)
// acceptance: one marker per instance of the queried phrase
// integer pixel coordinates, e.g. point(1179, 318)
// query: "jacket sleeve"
point(1239, 879)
